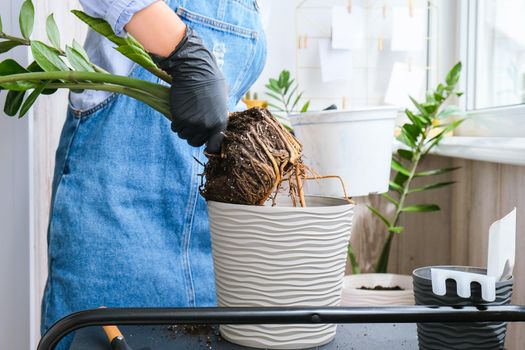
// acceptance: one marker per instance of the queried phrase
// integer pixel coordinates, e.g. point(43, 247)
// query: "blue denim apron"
point(128, 227)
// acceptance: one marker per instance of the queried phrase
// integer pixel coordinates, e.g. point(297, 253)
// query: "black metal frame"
point(281, 315)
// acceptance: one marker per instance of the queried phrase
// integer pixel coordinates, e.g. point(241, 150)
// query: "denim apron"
point(128, 227)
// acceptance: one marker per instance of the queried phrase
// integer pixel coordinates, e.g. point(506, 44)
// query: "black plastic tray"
point(283, 315)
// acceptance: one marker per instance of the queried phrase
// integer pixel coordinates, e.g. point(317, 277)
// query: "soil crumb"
point(257, 154)
point(206, 335)
point(381, 288)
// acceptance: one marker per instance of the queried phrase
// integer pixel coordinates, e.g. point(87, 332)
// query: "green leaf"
point(396, 229)
point(52, 31)
point(77, 61)
point(390, 199)
point(420, 108)
point(397, 166)
point(137, 56)
point(411, 131)
point(451, 110)
point(274, 89)
point(26, 18)
point(296, 101)
point(10, 67)
point(379, 215)
point(406, 154)
point(287, 87)
point(400, 179)
point(395, 187)
point(8, 45)
point(454, 74)
point(275, 85)
point(416, 120)
point(274, 96)
point(353, 260)
point(13, 102)
point(305, 107)
point(432, 186)
point(78, 48)
point(276, 107)
point(421, 208)
point(31, 99)
point(436, 139)
point(47, 58)
point(402, 137)
point(1, 28)
point(436, 171)
point(290, 95)
point(100, 26)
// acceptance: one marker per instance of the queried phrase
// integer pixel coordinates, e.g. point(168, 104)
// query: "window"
point(496, 53)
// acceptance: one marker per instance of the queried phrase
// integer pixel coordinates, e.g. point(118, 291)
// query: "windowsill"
point(505, 150)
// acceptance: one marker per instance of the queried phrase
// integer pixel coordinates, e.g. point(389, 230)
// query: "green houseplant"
point(285, 97)
point(425, 128)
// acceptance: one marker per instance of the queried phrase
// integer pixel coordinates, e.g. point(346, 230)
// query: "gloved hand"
point(198, 93)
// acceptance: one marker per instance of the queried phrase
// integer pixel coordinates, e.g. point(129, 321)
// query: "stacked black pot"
point(451, 336)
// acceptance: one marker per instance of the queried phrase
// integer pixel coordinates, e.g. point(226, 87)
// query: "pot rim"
point(408, 286)
point(342, 116)
point(416, 272)
point(343, 203)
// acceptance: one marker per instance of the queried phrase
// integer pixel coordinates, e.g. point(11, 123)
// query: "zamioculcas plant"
point(55, 67)
point(419, 136)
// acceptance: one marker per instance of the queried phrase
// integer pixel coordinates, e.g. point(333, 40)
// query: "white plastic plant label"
point(502, 247)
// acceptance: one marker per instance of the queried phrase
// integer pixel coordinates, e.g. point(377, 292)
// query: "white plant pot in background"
point(280, 256)
point(352, 295)
point(353, 144)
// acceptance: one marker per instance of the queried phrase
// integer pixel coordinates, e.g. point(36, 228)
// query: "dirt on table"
point(257, 155)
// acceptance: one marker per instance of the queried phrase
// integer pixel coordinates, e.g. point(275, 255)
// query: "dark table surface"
point(349, 337)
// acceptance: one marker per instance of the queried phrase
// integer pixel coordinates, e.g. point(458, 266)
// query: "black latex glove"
point(198, 93)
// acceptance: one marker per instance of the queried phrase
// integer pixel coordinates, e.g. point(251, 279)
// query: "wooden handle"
point(112, 332)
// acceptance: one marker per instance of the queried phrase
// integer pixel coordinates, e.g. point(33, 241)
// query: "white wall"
point(370, 68)
point(14, 215)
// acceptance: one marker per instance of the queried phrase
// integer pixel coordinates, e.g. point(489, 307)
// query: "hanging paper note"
point(409, 33)
point(404, 81)
point(348, 28)
point(336, 65)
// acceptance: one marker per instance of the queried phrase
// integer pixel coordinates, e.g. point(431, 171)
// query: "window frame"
point(492, 121)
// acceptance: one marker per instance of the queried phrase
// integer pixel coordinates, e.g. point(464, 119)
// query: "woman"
point(127, 226)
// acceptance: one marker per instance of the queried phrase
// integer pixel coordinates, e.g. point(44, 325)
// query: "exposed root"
point(258, 154)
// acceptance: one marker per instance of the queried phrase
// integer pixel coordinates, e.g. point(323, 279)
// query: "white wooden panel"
point(14, 211)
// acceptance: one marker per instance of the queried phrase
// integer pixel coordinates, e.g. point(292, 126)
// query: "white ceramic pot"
point(352, 295)
point(353, 144)
point(280, 256)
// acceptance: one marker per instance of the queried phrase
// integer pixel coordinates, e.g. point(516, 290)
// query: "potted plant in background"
point(423, 131)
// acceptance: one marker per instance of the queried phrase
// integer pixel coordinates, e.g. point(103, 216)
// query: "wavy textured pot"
point(354, 144)
point(474, 335)
point(280, 256)
point(352, 295)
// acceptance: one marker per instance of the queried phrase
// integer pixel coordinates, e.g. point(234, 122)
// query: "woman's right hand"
point(198, 93)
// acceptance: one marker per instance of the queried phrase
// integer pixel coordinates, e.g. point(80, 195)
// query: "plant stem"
point(152, 101)
point(382, 264)
point(157, 90)
point(14, 38)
